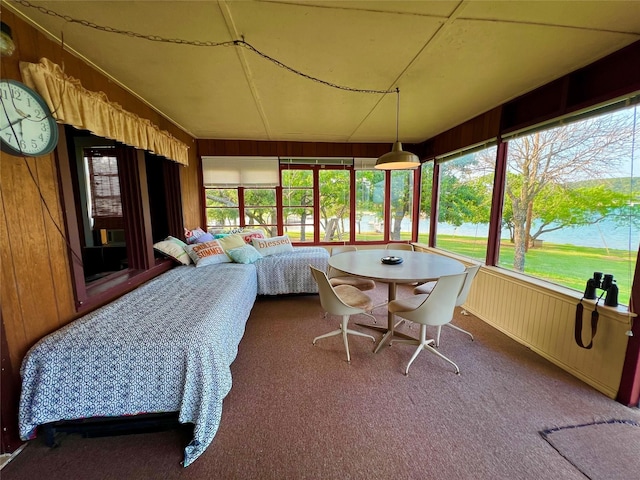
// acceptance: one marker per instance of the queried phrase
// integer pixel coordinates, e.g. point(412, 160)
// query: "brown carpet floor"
point(298, 411)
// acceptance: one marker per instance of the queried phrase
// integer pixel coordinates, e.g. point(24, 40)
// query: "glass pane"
point(298, 224)
point(571, 202)
point(260, 197)
point(426, 188)
point(369, 205)
point(260, 216)
point(466, 187)
point(297, 197)
point(221, 197)
point(297, 178)
point(334, 205)
point(401, 204)
point(223, 217)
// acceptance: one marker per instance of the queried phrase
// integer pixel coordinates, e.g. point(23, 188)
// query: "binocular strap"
point(594, 325)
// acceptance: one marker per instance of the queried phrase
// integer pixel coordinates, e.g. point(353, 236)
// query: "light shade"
point(397, 159)
point(7, 47)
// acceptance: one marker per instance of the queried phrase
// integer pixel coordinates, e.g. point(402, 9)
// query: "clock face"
point(26, 124)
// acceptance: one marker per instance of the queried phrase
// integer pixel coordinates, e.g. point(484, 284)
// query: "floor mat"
point(607, 450)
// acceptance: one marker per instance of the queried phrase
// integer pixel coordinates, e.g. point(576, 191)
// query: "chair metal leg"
point(433, 350)
point(457, 328)
point(345, 331)
point(426, 345)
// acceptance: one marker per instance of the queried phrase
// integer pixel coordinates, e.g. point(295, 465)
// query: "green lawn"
point(565, 265)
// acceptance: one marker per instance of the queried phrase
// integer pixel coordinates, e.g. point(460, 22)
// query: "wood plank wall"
point(543, 319)
point(36, 291)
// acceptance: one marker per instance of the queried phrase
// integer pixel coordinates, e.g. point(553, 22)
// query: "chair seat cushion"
point(424, 288)
point(358, 282)
point(407, 304)
point(353, 297)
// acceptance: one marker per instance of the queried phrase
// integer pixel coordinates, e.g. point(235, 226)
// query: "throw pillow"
point(207, 237)
point(231, 241)
point(207, 253)
point(273, 245)
point(174, 249)
point(192, 235)
point(244, 254)
point(249, 235)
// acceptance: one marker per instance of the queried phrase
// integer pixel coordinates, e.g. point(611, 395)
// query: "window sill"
point(620, 313)
point(118, 284)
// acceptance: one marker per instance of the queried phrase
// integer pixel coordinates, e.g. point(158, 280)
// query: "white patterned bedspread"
point(165, 347)
point(289, 272)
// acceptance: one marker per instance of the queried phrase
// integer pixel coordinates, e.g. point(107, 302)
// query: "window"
point(334, 185)
point(298, 203)
point(260, 208)
point(571, 201)
point(222, 207)
point(401, 205)
point(112, 193)
point(426, 188)
point(370, 202)
point(464, 203)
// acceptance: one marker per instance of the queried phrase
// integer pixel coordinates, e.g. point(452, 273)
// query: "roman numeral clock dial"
point(27, 127)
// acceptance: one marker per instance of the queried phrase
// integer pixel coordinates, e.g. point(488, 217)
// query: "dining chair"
point(399, 246)
point(434, 309)
point(343, 300)
point(426, 288)
point(340, 278)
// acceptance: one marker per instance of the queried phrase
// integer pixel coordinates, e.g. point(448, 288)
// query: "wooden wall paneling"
point(56, 238)
point(207, 147)
point(34, 281)
point(9, 298)
point(191, 190)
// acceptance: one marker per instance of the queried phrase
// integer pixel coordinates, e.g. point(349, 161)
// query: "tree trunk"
point(520, 243)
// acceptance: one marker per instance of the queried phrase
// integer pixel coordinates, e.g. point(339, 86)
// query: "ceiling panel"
point(452, 60)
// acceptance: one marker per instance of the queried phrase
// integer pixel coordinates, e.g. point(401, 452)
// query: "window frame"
point(143, 264)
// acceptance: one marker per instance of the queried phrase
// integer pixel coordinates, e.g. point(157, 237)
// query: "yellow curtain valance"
point(74, 105)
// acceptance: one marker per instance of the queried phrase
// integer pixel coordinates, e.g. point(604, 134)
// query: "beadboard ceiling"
point(452, 60)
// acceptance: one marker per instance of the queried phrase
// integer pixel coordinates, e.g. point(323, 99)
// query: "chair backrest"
point(471, 272)
point(399, 246)
point(438, 307)
point(343, 248)
point(329, 299)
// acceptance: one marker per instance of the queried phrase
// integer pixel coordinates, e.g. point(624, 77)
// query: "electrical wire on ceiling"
point(197, 43)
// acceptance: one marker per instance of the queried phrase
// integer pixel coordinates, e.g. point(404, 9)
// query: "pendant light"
point(397, 159)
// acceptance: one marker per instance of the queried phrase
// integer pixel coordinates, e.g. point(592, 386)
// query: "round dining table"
point(415, 267)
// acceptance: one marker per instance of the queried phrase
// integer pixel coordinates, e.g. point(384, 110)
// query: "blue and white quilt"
point(289, 272)
point(164, 347)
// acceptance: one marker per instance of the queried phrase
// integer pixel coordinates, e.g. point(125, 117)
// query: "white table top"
point(416, 266)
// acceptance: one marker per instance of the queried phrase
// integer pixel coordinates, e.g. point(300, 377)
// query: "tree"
point(543, 168)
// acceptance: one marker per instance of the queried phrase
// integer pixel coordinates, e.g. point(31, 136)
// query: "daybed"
point(164, 347)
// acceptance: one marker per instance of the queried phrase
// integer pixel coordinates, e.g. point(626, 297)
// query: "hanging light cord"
point(397, 114)
point(197, 43)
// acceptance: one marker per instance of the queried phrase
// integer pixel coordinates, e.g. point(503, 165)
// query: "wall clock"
point(26, 124)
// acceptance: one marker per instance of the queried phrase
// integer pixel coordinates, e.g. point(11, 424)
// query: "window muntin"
point(370, 202)
point(426, 187)
point(571, 202)
point(334, 188)
point(464, 204)
point(401, 225)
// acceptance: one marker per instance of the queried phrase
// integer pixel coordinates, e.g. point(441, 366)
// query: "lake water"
point(604, 235)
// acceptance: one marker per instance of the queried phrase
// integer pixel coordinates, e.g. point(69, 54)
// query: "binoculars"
point(602, 282)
